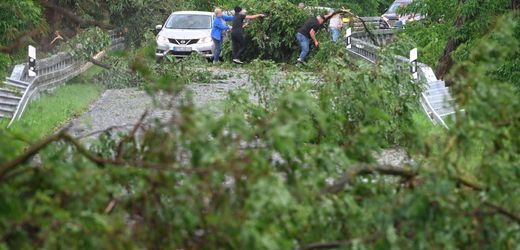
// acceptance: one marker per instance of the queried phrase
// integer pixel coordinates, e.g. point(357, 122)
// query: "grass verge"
point(53, 110)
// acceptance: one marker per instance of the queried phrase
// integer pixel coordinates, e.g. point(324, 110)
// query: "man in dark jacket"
point(238, 34)
point(307, 32)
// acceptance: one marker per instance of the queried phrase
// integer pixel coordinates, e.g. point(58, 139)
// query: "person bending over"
point(237, 33)
point(307, 32)
point(219, 26)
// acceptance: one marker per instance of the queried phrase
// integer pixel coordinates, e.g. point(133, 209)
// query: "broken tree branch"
point(370, 34)
point(504, 212)
point(106, 130)
point(29, 153)
point(405, 172)
point(33, 150)
point(120, 146)
point(327, 245)
point(338, 244)
point(365, 169)
point(100, 64)
point(72, 16)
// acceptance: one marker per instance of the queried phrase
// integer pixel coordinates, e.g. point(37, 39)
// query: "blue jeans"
point(399, 25)
point(218, 50)
point(335, 33)
point(304, 45)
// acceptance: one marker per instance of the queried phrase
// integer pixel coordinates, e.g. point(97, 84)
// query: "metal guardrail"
point(19, 89)
point(436, 99)
point(370, 22)
point(382, 37)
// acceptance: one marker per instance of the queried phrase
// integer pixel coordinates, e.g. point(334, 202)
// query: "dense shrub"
point(88, 43)
point(274, 37)
point(17, 18)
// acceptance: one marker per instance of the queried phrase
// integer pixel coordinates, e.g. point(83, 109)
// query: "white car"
point(185, 32)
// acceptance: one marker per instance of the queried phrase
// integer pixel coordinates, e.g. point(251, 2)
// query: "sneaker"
point(300, 61)
point(237, 61)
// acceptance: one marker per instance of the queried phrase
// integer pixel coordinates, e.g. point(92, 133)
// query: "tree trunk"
point(100, 64)
point(514, 5)
point(71, 15)
point(446, 61)
point(53, 18)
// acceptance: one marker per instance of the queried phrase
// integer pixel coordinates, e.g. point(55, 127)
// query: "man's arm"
point(255, 16)
point(221, 26)
point(227, 18)
point(313, 36)
point(341, 11)
point(329, 16)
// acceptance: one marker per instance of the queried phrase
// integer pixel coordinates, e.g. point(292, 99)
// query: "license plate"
point(182, 49)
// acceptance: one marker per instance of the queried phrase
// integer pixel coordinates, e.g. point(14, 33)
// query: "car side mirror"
point(158, 29)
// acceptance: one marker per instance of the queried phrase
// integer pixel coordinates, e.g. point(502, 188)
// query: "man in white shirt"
point(402, 18)
point(335, 26)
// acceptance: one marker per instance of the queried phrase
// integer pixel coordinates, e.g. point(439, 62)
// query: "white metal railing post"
point(413, 63)
point(32, 61)
point(348, 38)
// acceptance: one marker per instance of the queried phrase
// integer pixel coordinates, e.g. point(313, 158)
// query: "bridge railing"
point(52, 72)
point(363, 48)
point(382, 37)
point(371, 23)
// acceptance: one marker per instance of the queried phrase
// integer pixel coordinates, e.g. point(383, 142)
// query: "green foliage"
point(255, 162)
point(482, 145)
point(4, 63)
point(477, 17)
point(291, 165)
point(49, 113)
point(87, 44)
point(274, 36)
point(119, 75)
point(328, 52)
point(360, 7)
point(509, 70)
point(16, 18)
point(136, 15)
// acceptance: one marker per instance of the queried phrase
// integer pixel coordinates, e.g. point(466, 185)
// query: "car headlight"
point(162, 39)
point(205, 39)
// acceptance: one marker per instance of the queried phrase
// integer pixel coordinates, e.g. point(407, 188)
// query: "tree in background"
point(20, 23)
point(451, 28)
point(360, 7)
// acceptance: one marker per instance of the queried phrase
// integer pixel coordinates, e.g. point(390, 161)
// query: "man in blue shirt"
point(219, 26)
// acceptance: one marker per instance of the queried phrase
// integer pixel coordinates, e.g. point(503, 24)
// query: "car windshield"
point(187, 21)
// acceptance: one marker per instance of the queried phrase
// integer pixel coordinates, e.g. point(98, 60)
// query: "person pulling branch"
point(238, 34)
point(308, 31)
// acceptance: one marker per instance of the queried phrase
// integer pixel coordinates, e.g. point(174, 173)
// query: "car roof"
point(319, 8)
point(207, 13)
